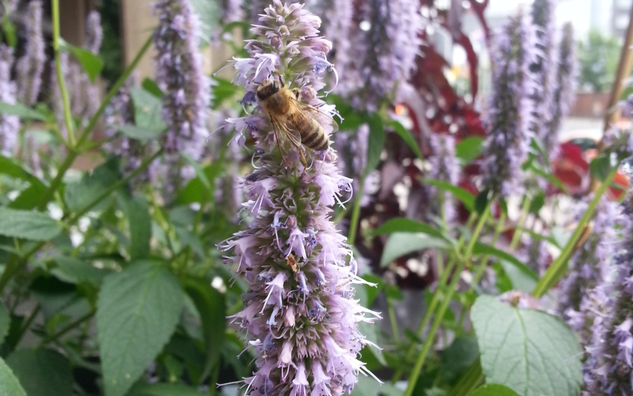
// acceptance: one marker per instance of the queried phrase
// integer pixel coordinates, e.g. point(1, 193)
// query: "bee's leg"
point(303, 159)
point(297, 93)
point(281, 80)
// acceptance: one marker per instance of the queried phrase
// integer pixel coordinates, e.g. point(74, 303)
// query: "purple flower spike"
point(384, 45)
point(510, 109)
point(94, 32)
point(180, 75)
point(9, 124)
point(232, 10)
point(564, 90)
point(444, 167)
point(300, 316)
point(31, 64)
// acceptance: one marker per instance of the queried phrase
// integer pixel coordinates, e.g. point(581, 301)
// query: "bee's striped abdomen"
point(313, 136)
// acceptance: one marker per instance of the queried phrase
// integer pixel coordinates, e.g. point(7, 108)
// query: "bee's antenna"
point(281, 80)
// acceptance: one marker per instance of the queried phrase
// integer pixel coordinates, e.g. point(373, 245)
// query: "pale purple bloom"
point(510, 108)
point(300, 316)
point(232, 10)
point(444, 167)
point(179, 73)
point(94, 32)
point(9, 124)
point(534, 255)
point(31, 64)
point(564, 90)
point(543, 67)
point(384, 42)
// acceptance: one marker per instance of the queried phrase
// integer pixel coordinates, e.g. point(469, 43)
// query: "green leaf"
point(458, 357)
point(138, 133)
point(529, 351)
point(26, 224)
point(369, 387)
point(189, 239)
point(42, 372)
point(199, 171)
point(469, 149)
point(482, 248)
point(78, 195)
point(9, 384)
point(5, 321)
point(537, 202)
point(523, 279)
point(91, 63)
point(210, 305)
point(140, 223)
point(22, 111)
point(163, 390)
point(601, 166)
point(223, 90)
point(547, 176)
point(467, 198)
point(137, 312)
point(208, 17)
point(73, 270)
point(376, 143)
point(407, 137)
point(150, 86)
point(481, 201)
point(402, 243)
point(147, 110)
point(403, 224)
point(8, 28)
point(494, 390)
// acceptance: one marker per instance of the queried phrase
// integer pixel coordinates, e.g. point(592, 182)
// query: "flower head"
point(232, 10)
point(94, 32)
point(444, 167)
point(535, 255)
point(31, 64)
point(564, 88)
point(179, 73)
point(9, 124)
point(510, 108)
point(299, 312)
point(384, 45)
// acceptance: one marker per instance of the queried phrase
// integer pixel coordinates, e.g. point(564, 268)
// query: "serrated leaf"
point(529, 351)
point(482, 248)
point(494, 390)
point(42, 372)
point(9, 384)
point(601, 166)
point(150, 86)
point(210, 305)
point(91, 63)
point(22, 111)
point(407, 137)
point(140, 224)
point(400, 244)
point(481, 201)
point(26, 224)
point(147, 110)
point(91, 185)
point(73, 270)
point(469, 149)
point(223, 90)
point(467, 198)
point(376, 142)
point(137, 311)
point(138, 133)
point(403, 224)
point(5, 321)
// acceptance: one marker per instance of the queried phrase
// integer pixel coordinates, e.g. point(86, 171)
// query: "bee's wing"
point(306, 110)
point(283, 135)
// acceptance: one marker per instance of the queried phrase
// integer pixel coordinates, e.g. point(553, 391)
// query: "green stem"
point(353, 225)
point(484, 261)
point(113, 91)
point(68, 118)
point(517, 232)
point(66, 329)
point(469, 380)
point(28, 322)
point(70, 158)
point(428, 342)
point(559, 266)
point(392, 319)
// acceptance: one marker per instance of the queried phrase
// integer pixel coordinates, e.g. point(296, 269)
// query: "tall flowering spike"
point(94, 32)
point(609, 366)
point(9, 124)
point(232, 10)
point(336, 17)
point(179, 73)
point(383, 57)
point(564, 90)
point(543, 66)
point(31, 64)
point(535, 255)
point(444, 167)
point(510, 108)
point(299, 315)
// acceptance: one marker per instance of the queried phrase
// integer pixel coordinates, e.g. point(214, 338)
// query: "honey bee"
point(292, 263)
point(293, 121)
